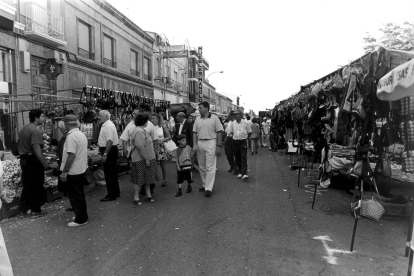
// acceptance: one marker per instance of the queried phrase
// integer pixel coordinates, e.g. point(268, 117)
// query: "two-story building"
point(95, 43)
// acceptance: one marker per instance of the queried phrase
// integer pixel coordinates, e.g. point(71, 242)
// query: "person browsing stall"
point(207, 139)
point(241, 131)
point(108, 147)
point(33, 165)
point(73, 167)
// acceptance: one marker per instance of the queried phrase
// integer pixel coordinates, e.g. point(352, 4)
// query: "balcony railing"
point(109, 62)
point(147, 77)
point(86, 54)
point(134, 72)
point(40, 20)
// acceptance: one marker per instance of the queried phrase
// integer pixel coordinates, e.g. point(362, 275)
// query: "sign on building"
point(200, 74)
point(52, 69)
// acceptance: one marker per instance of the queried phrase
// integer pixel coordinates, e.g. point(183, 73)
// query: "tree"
point(393, 37)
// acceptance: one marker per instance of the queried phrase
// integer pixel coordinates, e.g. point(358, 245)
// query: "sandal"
point(137, 202)
point(149, 199)
point(164, 183)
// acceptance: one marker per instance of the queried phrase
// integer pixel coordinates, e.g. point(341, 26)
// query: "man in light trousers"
point(207, 134)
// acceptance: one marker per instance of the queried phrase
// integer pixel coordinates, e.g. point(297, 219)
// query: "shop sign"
point(51, 69)
point(175, 54)
point(200, 74)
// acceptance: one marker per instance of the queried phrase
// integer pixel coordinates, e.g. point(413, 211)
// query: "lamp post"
point(221, 72)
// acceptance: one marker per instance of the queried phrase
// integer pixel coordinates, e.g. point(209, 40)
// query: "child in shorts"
point(182, 157)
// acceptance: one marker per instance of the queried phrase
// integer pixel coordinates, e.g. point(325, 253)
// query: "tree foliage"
point(393, 37)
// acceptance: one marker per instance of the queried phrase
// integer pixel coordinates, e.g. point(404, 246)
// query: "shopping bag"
point(170, 146)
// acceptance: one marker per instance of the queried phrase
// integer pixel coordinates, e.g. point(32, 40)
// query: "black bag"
point(389, 134)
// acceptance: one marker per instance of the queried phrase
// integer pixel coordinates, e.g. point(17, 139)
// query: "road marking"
point(5, 265)
point(330, 258)
point(311, 188)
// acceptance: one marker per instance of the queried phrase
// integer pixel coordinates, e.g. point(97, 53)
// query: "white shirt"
point(129, 129)
point(108, 132)
point(240, 131)
point(228, 132)
point(181, 127)
point(76, 143)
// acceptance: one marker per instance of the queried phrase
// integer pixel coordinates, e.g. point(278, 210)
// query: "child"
point(182, 157)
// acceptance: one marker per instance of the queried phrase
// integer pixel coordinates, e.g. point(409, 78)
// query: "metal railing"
point(134, 72)
point(86, 54)
point(40, 19)
point(147, 77)
point(109, 62)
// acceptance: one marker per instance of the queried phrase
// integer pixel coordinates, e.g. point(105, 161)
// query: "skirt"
point(141, 175)
point(162, 152)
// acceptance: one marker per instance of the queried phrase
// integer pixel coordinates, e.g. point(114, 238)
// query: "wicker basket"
point(397, 211)
point(299, 161)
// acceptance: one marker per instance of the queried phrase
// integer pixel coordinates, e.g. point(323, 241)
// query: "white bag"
point(170, 146)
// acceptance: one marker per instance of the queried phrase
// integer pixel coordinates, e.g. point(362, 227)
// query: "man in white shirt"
point(228, 145)
point(241, 131)
point(73, 167)
point(108, 147)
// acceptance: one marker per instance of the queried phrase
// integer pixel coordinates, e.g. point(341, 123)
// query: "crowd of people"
point(148, 142)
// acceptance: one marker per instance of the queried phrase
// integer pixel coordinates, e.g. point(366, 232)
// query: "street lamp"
point(221, 72)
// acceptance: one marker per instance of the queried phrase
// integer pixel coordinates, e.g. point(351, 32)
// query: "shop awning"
point(398, 83)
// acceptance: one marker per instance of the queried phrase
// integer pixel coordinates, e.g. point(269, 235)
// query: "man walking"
point(228, 146)
point(33, 165)
point(241, 131)
point(108, 147)
point(74, 165)
point(207, 143)
point(185, 127)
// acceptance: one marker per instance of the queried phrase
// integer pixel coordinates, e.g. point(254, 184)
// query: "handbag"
point(368, 208)
point(383, 166)
point(170, 146)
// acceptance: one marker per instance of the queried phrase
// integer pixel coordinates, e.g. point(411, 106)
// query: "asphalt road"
point(263, 226)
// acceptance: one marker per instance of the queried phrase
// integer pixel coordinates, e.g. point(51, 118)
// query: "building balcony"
point(44, 26)
point(109, 62)
point(86, 54)
point(135, 72)
point(7, 12)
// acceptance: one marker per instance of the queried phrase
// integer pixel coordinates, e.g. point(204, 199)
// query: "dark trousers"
point(111, 173)
point(33, 177)
point(240, 154)
point(273, 141)
point(228, 149)
point(76, 193)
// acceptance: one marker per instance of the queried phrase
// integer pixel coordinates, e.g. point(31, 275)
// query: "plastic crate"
point(397, 211)
point(299, 161)
point(11, 209)
point(52, 194)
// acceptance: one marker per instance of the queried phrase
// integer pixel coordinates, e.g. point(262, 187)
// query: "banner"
point(200, 74)
point(398, 83)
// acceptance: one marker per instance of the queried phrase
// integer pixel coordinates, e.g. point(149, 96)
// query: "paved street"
point(264, 226)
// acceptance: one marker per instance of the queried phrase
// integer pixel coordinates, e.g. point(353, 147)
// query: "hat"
point(70, 118)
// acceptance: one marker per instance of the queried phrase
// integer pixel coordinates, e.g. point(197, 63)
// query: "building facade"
point(94, 43)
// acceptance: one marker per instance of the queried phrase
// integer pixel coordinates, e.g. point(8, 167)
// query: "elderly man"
point(207, 143)
point(73, 167)
point(241, 131)
point(108, 147)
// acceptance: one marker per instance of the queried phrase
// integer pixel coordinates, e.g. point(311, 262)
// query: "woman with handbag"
point(162, 135)
point(144, 163)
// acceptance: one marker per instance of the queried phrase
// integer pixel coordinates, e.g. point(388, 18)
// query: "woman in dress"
point(162, 134)
point(144, 163)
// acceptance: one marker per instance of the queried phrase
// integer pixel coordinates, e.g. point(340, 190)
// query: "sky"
point(268, 49)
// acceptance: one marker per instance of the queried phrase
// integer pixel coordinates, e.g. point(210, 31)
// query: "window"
point(109, 55)
point(2, 66)
point(175, 76)
point(85, 40)
point(147, 69)
point(134, 63)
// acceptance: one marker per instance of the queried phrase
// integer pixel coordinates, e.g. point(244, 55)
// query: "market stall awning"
point(398, 83)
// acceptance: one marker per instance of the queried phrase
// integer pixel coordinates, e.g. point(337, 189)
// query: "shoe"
point(208, 193)
point(150, 199)
point(270, 148)
point(108, 199)
point(231, 169)
point(75, 224)
point(22, 215)
point(164, 183)
point(240, 175)
point(189, 189)
point(245, 177)
point(201, 189)
point(178, 194)
point(137, 202)
point(38, 214)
